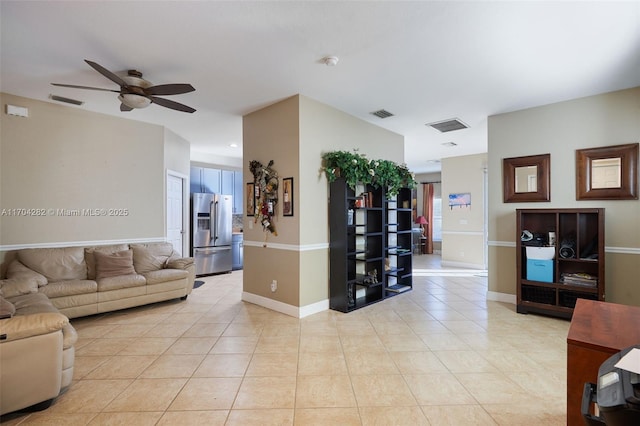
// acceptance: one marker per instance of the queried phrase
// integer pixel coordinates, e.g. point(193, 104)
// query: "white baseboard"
point(501, 297)
point(450, 264)
point(285, 308)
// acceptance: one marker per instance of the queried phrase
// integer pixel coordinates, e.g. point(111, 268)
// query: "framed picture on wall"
point(287, 196)
point(251, 199)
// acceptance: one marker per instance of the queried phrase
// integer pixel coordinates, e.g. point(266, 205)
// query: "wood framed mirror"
point(607, 173)
point(526, 179)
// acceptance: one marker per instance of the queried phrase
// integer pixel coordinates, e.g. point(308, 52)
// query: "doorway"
point(177, 212)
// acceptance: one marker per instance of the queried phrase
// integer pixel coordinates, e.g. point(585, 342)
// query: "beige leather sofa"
point(46, 286)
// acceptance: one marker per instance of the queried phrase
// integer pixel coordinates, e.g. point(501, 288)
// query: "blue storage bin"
point(540, 270)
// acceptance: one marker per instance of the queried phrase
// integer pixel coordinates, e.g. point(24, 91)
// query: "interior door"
point(175, 219)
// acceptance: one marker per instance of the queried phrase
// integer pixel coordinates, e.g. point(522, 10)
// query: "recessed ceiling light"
point(233, 145)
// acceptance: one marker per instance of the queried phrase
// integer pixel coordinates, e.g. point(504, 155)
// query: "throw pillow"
point(7, 310)
point(151, 257)
point(18, 270)
point(90, 259)
point(112, 265)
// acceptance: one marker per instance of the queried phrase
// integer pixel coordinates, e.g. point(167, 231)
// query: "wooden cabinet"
point(572, 268)
point(226, 182)
point(217, 181)
point(238, 193)
point(211, 180)
point(195, 179)
point(598, 330)
point(370, 246)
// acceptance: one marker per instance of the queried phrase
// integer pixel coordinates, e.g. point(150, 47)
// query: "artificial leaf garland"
point(266, 182)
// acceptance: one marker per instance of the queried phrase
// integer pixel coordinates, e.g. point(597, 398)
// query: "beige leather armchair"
point(36, 354)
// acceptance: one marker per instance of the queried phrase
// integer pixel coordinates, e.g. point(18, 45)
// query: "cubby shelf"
point(372, 239)
point(578, 252)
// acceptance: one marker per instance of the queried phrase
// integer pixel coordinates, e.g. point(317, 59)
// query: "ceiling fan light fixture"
point(134, 101)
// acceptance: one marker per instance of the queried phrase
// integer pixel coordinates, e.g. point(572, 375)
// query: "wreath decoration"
point(266, 186)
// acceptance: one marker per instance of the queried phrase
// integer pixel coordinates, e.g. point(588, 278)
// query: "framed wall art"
point(251, 199)
point(526, 179)
point(287, 196)
point(607, 173)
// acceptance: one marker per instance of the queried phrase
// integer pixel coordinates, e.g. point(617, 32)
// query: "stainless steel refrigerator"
point(211, 225)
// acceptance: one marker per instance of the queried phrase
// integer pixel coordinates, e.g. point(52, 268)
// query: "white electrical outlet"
point(274, 285)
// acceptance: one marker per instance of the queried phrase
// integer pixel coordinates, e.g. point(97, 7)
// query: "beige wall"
point(560, 129)
point(463, 228)
point(272, 133)
point(323, 129)
point(295, 132)
point(70, 159)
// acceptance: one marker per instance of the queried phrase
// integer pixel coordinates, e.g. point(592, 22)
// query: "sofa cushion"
point(120, 281)
point(7, 310)
point(28, 304)
point(56, 264)
point(23, 326)
point(151, 256)
point(13, 287)
point(90, 260)
point(179, 262)
point(164, 275)
point(18, 270)
point(69, 288)
point(112, 265)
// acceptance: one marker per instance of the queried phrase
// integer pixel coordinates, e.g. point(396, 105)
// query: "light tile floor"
point(438, 355)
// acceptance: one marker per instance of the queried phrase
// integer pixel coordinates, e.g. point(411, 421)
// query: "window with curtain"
point(437, 218)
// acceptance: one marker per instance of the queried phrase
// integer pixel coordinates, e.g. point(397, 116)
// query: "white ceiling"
point(422, 61)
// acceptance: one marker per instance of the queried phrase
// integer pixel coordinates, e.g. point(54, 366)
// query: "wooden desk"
point(597, 331)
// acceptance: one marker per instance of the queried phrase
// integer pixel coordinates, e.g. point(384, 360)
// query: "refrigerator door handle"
point(213, 220)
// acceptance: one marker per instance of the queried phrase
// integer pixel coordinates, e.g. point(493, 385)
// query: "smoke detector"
point(330, 61)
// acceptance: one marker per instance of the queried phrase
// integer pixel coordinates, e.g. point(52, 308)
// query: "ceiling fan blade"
point(84, 87)
point(171, 104)
point(169, 89)
point(125, 108)
point(105, 72)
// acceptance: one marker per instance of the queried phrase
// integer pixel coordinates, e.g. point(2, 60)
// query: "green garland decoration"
point(357, 168)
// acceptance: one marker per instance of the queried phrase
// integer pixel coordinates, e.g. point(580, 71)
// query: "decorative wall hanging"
point(266, 188)
point(287, 196)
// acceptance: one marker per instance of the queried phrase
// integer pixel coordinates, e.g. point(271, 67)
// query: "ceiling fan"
point(136, 92)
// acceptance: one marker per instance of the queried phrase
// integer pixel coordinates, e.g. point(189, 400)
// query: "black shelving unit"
point(370, 245)
point(399, 243)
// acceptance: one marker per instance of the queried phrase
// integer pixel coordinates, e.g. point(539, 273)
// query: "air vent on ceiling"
point(381, 113)
point(450, 144)
point(66, 100)
point(448, 125)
